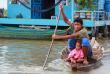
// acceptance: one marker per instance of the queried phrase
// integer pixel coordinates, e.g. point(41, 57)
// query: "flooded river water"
point(28, 56)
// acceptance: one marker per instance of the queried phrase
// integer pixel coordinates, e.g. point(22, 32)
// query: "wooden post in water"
point(106, 30)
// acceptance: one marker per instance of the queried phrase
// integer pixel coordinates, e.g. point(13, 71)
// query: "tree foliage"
point(89, 4)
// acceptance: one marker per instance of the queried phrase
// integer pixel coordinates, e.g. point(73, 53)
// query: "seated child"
point(76, 55)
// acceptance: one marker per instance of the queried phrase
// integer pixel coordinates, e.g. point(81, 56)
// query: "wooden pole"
point(52, 41)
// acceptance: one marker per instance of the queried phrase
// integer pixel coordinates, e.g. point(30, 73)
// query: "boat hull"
point(28, 33)
point(94, 59)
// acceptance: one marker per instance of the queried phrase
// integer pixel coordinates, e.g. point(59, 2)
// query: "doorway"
point(45, 5)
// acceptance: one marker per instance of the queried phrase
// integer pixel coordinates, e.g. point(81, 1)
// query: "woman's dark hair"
point(78, 20)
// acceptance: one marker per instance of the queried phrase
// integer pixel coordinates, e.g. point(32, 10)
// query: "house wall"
point(15, 9)
point(107, 5)
point(107, 1)
point(101, 4)
point(67, 10)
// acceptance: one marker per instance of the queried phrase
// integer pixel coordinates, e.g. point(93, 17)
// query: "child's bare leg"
point(73, 60)
point(79, 60)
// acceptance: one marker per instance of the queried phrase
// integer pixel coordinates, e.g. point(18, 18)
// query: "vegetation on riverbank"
point(5, 12)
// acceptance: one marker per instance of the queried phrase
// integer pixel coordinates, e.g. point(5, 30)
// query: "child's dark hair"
point(78, 20)
point(78, 41)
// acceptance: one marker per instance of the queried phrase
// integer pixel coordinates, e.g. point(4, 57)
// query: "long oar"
point(52, 40)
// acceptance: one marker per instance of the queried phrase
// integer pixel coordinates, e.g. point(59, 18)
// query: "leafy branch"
point(89, 4)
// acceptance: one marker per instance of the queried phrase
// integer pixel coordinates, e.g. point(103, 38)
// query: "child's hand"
point(73, 60)
point(67, 59)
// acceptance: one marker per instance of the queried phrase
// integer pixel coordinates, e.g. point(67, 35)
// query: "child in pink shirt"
point(76, 55)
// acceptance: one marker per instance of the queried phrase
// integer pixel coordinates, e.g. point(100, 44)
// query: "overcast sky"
point(3, 4)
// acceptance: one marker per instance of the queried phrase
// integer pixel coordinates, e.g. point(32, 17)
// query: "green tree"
point(89, 4)
point(5, 13)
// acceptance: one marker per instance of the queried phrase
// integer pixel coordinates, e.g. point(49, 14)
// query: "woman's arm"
point(63, 15)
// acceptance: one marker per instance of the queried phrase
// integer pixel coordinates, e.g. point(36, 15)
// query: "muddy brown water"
point(28, 56)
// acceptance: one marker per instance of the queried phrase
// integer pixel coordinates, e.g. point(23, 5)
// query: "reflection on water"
point(28, 56)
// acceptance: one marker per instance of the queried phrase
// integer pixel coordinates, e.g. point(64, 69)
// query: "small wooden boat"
point(94, 59)
point(28, 33)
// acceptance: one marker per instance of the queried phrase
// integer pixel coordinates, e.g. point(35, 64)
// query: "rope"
point(40, 11)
